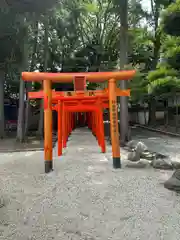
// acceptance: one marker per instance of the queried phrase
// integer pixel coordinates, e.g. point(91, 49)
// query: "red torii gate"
point(79, 80)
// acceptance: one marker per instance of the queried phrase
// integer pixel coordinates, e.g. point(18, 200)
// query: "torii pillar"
point(48, 126)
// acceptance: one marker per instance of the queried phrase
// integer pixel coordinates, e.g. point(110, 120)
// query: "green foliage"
point(171, 52)
point(138, 86)
point(163, 85)
point(162, 72)
point(171, 19)
point(141, 47)
point(136, 13)
point(162, 80)
point(85, 36)
point(10, 34)
point(169, 43)
point(30, 6)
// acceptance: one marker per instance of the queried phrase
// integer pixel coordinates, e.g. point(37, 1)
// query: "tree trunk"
point(27, 109)
point(20, 126)
point(152, 112)
point(2, 120)
point(46, 45)
point(156, 52)
point(145, 121)
point(29, 84)
point(41, 120)
point(124, 116)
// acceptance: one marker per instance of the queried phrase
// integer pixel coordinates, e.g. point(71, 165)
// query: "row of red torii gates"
point(68, 104)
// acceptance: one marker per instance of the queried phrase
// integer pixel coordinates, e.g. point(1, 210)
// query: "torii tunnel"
point(79, 80)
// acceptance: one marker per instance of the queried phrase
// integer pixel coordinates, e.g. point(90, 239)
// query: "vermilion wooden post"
point(72, 116)
point(114, 124)
point(101, 131)
point(69, 130)
point(70, 123)
point(93, 124)
point(59, 128)
point(79, 118)
point(73, 121)
point(67, 122)
point(87, 119)
point(67, 126)
point(47, 125)
point(91, 121)
point(96, 114)
point(97, 126)
point(64, 127)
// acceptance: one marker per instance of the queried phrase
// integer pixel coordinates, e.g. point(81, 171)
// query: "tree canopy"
point(84, 35)
point(171, 19)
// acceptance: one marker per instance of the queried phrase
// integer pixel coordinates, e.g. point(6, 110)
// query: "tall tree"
point(124, 122)
point(46, 56)
point(35, 30)
point(10, 53)
point(24, 67)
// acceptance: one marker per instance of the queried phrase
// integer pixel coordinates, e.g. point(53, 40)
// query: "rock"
point(132, 144)
point(138, 146)
point(147, 155)
point(141, 147)
point(162, 163)
point(173, 183)
point(126, 148)
point(176, 164)
point(142, 163)
point(160, 155)
point(133, 156)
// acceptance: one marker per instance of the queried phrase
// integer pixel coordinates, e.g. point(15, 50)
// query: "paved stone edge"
point(21, 150)
point(158, 131)
point(25, 149)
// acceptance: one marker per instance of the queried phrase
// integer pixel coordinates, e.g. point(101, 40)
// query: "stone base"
point(116, 162)
point(48, 166)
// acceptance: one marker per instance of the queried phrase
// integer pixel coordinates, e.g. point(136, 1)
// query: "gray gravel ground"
point(84, 198)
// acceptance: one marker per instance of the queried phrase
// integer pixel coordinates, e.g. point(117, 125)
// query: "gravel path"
point(84, 198)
